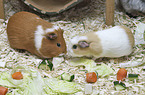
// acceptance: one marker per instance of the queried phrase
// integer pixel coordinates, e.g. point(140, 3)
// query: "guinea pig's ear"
point(51, 36)
point(83, 44)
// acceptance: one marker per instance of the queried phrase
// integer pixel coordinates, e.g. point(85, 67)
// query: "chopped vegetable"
point(119, 85)
point(7, 80)
point(121, 74)
point(91, 77)
point(81, 61)
point(133, 63)
point(56, 61)
point(17, 75)
point(3, 90)
point(132, 76)
point(34, 84)
point(61, 86)
point(46, 65)
point(67, 77)
point(140, 34)
point(88, 88)
point(143, 68)
point(103, 70)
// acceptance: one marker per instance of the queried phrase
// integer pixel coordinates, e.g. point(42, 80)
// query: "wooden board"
point(110, 5)
point(1, 10)
point(51, 7)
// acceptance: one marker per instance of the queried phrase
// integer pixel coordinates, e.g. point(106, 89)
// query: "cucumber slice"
point(97, 74)
point(67, 77)
point(46, 65)
point(132, 76)
point(119, 85)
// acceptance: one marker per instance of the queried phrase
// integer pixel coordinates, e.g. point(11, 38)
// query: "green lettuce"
point(61, 86)
point(90, 65)
point(103, 70)
point(6, 80)
point(34, 84)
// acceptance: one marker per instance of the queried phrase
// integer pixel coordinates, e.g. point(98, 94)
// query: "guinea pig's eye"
point(58, 44)
point(74, 47)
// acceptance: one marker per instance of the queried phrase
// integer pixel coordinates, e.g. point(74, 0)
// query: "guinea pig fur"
point(113, 42)
point(29, 32)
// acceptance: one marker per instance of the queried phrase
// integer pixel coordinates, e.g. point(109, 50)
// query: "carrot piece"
point(3, 90)
point(91, 77)
point(121, 74)
point(17, 75)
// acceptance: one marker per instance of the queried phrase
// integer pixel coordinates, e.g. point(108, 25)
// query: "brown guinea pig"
point(29, 32)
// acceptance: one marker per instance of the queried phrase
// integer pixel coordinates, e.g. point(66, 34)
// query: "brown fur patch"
point(49, 47)
point(95, 47)
point(130, 35)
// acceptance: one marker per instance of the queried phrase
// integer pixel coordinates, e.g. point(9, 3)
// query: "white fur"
point(52, 29)
point(38, 36)
point(115, 42)
point(74, 41)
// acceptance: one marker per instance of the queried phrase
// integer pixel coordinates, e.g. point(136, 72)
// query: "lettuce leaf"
point(6, 80)
point(34, 84)
point(103, 70)
point(140, 34)
point(61, 86)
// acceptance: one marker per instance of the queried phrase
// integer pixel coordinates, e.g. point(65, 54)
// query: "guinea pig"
point(113, 42)
point(29, 32)
point(132, 7)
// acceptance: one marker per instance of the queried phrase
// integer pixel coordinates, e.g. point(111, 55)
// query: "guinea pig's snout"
point(61, 47)
point(81, 44)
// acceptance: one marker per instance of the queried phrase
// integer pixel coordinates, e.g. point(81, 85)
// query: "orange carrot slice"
point(3, 90)
point(121, 74)
point(91, 77)
point(17, 75)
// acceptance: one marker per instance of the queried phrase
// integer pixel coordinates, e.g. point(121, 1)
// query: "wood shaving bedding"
point(76, 21)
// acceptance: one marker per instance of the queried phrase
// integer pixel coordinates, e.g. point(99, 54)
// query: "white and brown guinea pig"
point(113, 42)
point(29, 32)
